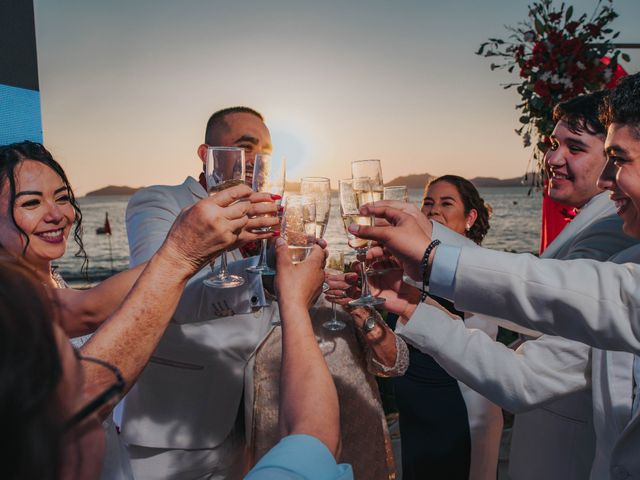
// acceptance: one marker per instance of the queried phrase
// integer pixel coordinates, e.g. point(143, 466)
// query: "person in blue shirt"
point(309, 412)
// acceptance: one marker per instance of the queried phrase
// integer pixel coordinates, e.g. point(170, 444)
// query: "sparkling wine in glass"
point(320, 189)
point(224, 168)
point(354, 193)
point(396, 192)
point(299, 226)
point(269, 175)
point(371, 169)
point(335, 266)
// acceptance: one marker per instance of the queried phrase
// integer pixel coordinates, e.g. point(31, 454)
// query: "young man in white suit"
point(592, 302)
point(183, 418)
point(553, 437)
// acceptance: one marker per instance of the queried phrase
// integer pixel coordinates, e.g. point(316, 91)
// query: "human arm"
point(82, 311)
point(387, 354)
point(584, 300)
point(128, 338)
point(308, 397)
point(588, 301)
point(537, 372)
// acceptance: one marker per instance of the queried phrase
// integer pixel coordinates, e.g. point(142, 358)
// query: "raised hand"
point(298, 284)
point(205, 229)
point(343, 287)
point(262, 213)
point(409, 209)
point(403, 237)
point(401, 298)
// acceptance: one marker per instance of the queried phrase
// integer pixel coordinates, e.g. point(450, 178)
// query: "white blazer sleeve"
point(592, 302)
point(150, 214)
point(538, 372)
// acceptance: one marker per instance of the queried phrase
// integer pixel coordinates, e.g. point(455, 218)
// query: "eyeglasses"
point(114, 390)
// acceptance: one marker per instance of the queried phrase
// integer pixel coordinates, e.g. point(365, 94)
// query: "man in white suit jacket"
point(553, 435)
point(181, 419)
point(556, 440)
point(596, 303)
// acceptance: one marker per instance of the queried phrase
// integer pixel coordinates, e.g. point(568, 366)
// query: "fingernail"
point(280, 241)
point(354, 228)
point(280, 209)
point(275, 196)
point(276, 233)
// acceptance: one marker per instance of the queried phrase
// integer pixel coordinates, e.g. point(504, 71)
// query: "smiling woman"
point(37, 205)
point(38, 211)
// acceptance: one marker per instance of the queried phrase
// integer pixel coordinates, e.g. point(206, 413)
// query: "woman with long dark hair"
point(38, 212)
point(448, 430)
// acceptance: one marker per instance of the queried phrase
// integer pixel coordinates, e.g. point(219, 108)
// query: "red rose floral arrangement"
point(557, 57)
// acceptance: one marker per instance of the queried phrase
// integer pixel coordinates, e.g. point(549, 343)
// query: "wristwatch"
point(369, 324)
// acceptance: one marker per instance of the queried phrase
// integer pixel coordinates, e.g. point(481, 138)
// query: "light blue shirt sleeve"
point(442, 279)
point(299, 457)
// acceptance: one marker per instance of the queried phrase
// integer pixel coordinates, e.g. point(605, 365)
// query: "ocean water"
point(515, 226)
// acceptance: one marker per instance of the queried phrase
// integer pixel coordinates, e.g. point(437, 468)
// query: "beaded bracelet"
point(424, 265)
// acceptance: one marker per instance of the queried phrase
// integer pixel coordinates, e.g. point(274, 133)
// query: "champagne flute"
point(320, 189)
point(335, 266)
point(373, 170)
point(299, 226)
point(269, 175)
point(396, 192)
point(354, 193)
point(224, 168)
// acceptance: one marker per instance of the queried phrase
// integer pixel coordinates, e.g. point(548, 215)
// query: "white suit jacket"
point(597, 303)
point(189, 394)
point(556, 440)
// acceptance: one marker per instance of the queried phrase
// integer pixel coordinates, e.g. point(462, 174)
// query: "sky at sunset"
point(127, 85)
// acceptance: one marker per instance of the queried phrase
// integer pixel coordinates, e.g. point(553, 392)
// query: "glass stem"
point(223, 266)
point(263, 254)
point(365, 282)
point(333, 310)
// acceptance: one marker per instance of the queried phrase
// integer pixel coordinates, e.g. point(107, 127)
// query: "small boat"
point(106, 228)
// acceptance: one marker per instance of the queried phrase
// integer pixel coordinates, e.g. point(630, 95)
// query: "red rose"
point(555, 17)
point(571, 27)
point(571, 46)
point(594, 30)
point(539, 49)
point(541, 88)
point(555, 37)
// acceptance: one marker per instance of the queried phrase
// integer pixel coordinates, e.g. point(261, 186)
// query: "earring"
point(467, 227)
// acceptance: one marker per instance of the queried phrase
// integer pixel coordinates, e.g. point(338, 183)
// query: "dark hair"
point(30, 370)
point(217, 120)
point(13, 155)
point(623, 104)
point(472, 201)
point(582, 113)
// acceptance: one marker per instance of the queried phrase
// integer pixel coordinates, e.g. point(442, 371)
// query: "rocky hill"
point(113, 190)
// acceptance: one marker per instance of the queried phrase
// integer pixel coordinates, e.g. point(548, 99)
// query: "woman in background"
point(448, 430)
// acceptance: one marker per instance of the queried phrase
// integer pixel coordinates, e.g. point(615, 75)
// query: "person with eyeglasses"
point(54, 396)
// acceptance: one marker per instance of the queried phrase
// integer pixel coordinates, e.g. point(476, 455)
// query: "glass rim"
point(367, 160)
point(299, 196)
point(224, 149)
point(353, 179)
point(395, 187)
point(315, 179)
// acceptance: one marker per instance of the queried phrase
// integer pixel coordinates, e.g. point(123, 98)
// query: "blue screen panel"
point(19, 115)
